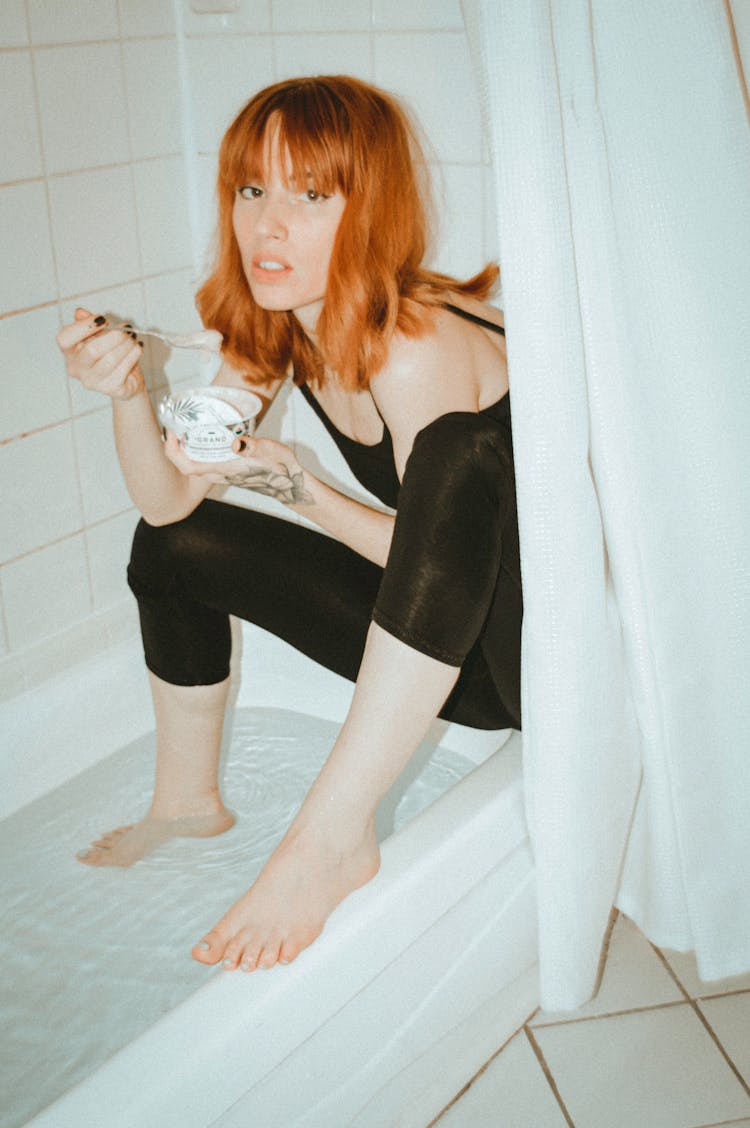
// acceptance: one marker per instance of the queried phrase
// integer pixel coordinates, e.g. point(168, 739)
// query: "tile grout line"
point(548, 1075)
point(720, 1047)
point(702, 1018)
point(482, 1069)
point(610, 1014)
point(724, 1124)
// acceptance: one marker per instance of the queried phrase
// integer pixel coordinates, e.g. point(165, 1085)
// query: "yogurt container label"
point(208, 420)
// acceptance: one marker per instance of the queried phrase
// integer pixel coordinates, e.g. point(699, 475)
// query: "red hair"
point(343, 135)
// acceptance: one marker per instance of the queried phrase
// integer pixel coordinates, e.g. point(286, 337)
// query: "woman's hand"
point(262, 465)
point(102, 361)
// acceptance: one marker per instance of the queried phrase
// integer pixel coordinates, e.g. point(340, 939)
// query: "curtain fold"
point(621, 157)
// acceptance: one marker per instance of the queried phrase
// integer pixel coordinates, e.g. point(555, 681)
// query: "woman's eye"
point(250, 192)
point(312, 195)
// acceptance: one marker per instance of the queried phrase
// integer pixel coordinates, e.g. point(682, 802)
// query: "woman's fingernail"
point(227, 963)
point(83, 853)
point(100, 320)
point(204, 945)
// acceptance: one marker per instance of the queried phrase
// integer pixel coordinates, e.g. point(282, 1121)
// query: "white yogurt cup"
point(208, 420)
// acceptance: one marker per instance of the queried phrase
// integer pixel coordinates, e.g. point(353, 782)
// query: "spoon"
point(208, 340)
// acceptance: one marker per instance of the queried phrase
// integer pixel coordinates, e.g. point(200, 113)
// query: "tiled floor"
point(657, 1048)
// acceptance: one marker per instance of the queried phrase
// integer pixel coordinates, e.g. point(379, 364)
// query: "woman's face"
point(285, 233)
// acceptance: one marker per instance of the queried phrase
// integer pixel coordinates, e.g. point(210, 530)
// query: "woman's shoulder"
point(444, 338)
point(455, 365)
point(484, 310)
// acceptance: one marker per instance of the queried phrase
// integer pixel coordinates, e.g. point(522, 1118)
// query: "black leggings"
point(450, 589)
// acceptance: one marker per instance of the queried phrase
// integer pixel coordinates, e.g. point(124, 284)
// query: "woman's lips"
point(266, 268)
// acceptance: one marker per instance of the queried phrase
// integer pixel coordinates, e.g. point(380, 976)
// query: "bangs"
point(313, 135)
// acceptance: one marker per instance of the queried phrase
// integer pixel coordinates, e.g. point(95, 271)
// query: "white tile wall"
point(153, 97)
point(224, 73)
point(13, 29)
point(458, 196)
point(70, 21)
point(320, 15)
point(433, 73)
point(26, 243)
point(147, 17)
point(35, 385)
point(94, 229)
point(298, 55)
point(82, 106)
point(102, 483)
point(94, 212)
point(251, 16)
point(20, 151)
point(46, 592)
point(411, 14)
point(40, 500)
point(162, 209)
point(206, 220)
point(108, 545)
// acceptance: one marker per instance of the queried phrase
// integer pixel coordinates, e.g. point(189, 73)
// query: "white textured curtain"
point(621, 152)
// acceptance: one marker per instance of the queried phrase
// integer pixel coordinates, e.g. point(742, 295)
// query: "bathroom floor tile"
point(684, 966)
point(658, 1067)
point(634, 977)
point(512, 1092)
point(729, 1018)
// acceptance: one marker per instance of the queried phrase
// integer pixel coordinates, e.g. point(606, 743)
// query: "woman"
point(321, 238)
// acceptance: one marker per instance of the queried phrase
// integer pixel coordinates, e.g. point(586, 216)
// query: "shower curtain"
point(621, 155)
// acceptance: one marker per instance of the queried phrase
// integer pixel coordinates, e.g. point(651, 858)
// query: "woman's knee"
point(159, 552)
point(458, 450)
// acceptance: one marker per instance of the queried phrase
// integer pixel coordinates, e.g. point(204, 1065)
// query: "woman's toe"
point(270, 954)
point(249, 959)
point(211, 948)
point(288, 951)
point(234, 952)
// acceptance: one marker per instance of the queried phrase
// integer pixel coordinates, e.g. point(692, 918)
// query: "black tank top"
point(374, 465)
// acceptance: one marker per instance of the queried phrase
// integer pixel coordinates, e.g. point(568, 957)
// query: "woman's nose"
point(272, 220)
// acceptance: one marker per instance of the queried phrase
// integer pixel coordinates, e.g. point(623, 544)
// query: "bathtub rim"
point(486, 805)
point(45, 742)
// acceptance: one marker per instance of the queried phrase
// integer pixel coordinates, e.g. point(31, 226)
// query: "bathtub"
point(418, 978)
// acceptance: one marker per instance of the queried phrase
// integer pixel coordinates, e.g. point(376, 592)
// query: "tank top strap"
point(475, 318)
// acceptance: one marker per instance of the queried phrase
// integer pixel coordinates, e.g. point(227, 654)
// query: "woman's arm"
point(271, 468)
point(446, 370)
point(424, 378)
point(107, 362)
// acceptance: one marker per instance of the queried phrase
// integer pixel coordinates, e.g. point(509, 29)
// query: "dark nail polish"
point(132, 334)
point(100, 320)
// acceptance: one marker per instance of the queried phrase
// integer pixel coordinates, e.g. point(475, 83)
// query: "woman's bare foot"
point(126, 844)
point(312, 870)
